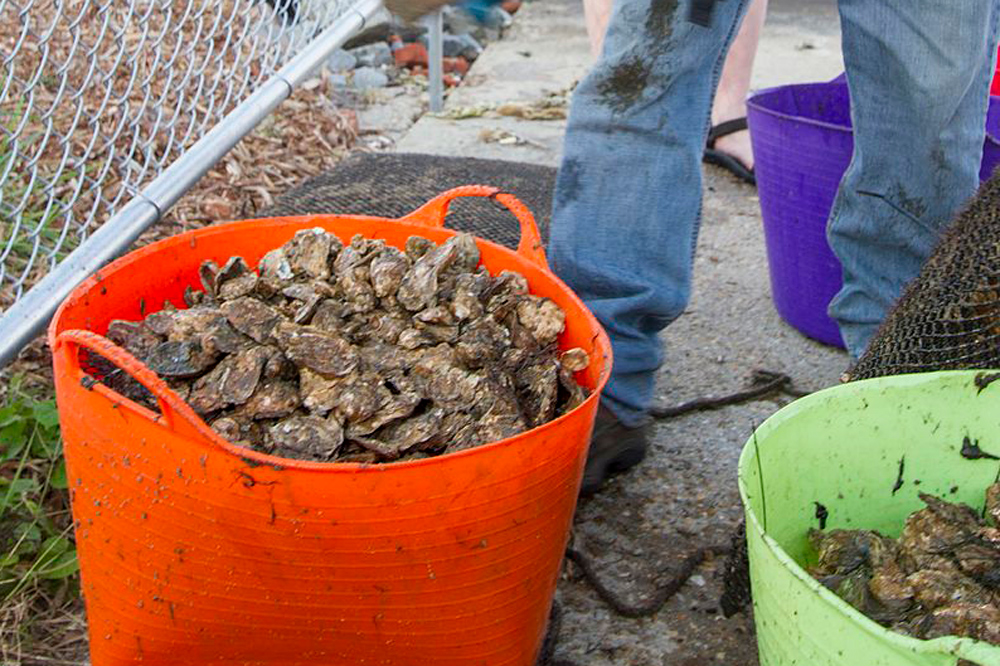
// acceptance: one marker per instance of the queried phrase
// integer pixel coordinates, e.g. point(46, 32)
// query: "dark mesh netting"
point(394, 184)
point(948, 318)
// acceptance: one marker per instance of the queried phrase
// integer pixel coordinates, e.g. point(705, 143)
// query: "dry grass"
point(306, 136)
point(101, 95)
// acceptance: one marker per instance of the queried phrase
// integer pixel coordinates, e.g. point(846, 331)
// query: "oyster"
point(231, 382)
point(387, 271)
point(251, 317)
point(308, 253)
point(271, 400)
point(179, 359)
point(370, 353)
point(543, 318)
point(939, 579)
point(305, 438)
point(236, 280)
point(316, 349)
point(419, 286)
point(134, 337)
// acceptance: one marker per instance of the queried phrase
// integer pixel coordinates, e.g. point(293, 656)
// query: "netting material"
point(948, 318)
point(395, 184)
point(98, 97)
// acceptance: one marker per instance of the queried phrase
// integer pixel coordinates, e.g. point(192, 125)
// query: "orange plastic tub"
point(194, 551)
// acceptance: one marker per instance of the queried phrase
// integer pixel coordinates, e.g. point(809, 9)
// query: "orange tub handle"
point(174, 414)
point(433, 213)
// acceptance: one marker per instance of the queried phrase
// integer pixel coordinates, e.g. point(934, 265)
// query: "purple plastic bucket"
point(802, 144)
point(991, 149)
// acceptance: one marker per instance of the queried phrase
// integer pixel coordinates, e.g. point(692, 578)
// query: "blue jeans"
point(627, 203)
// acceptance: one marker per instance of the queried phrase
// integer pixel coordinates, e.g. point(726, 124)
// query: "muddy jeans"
point(628, 197)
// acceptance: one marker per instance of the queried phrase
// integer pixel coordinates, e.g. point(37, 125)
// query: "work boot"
point(614, 448)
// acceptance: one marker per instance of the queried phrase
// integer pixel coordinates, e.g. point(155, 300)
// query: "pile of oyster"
point(940, 578)
point(362, 353)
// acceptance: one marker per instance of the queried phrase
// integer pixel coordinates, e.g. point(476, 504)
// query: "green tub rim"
point(979, 652)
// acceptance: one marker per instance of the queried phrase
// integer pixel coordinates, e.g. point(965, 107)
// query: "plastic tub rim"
point(214, 439)
point(964, 648)
point(753, 102)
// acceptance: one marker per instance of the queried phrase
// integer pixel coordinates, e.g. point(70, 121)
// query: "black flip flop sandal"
point(725, 160)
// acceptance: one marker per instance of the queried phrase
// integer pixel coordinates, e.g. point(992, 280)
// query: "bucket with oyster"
point(326, 439)
point(872, 524)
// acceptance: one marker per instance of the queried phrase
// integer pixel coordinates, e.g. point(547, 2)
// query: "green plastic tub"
point(842, 448)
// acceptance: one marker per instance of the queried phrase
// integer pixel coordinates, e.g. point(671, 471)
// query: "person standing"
point(627, 203)
point(728, 144)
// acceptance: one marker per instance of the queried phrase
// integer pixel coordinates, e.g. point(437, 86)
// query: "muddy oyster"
point(364, 352)
point(940, 578)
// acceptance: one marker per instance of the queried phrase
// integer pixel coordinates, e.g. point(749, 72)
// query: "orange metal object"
point(195, 551)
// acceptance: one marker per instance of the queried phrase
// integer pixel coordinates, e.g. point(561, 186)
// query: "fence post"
point(435, 57)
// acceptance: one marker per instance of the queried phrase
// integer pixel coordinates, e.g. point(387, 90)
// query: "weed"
point(38, 563)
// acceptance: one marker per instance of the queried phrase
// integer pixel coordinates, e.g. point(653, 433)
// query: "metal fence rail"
point(99, 97)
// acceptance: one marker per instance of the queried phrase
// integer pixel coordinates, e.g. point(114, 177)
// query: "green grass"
point(38, 562)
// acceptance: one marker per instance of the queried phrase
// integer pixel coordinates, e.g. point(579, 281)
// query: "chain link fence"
point(99, 97)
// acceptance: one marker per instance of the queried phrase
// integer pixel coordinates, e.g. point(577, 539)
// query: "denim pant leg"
point(919, 74)
point(628, 195)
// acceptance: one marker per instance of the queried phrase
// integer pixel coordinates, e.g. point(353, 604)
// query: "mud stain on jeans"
point(627, 80)
point(567, 183)
point(660, 22)
point(625, 83)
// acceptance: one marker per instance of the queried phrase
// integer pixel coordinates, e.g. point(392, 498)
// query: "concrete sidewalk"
point(684, 496)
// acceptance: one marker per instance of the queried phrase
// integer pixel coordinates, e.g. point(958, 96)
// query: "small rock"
point(497, 18)
point(341, 61)
point(454, 46)
point(369, 78)
point(457, 21)
point(372, 55)
point(338, 80)
point(457, 65)
point(411, 55)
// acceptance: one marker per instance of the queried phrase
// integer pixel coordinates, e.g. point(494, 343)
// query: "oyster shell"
point(419, 286)
point(305, 438)
point(179, 359)
point(231, 382)
point(368, 353)
point(387, 270)
point(316, 349)
point(252, 317)
point(308, 253)
point(134, 336)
